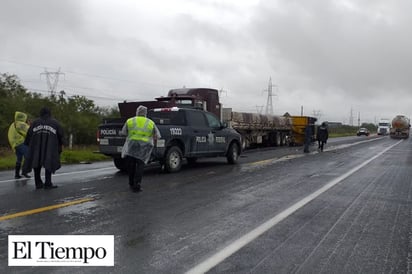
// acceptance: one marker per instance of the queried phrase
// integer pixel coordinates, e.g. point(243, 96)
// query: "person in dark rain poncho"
point(308, 138)
point(45, 142)
point(322, 135)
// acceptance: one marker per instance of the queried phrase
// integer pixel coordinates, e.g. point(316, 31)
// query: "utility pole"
point(221, 91)
point(317, 114)
point(269, 103)
point(52, 79)
point(359, 119)
point(351, 117)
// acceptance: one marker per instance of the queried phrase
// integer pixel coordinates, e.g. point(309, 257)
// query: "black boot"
point(48, 184)
point(26, 175)
point(17, 169)
point(136, 186)
point(37, 179)
point(24, 171)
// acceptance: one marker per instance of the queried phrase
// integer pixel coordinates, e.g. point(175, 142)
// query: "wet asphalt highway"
point(346, 210)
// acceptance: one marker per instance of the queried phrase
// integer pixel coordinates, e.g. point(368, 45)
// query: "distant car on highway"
point(363, 131)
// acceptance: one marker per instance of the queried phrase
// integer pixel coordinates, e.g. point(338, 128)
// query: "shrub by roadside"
point(74, 156)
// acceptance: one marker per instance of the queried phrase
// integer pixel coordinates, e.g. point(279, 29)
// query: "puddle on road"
point(85, 209)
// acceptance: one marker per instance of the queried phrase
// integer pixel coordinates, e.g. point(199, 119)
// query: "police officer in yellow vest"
point(141, 132)
point(16, 135)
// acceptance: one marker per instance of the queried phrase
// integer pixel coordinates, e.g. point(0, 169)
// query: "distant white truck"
point(384, 127)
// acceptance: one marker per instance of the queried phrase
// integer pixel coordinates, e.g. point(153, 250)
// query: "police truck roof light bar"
point(166, 109)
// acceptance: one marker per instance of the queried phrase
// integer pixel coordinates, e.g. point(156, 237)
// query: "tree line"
point(78, 115)
point(342, 130)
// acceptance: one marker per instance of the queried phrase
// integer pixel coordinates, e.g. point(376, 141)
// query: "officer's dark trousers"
point(135, 169)
point(321, 145)
point(306, 146)
point(37, 178)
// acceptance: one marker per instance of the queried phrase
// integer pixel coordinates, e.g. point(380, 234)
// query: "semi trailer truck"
point(400, 127)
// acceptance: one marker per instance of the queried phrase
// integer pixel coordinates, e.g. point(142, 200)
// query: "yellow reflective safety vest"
point(140, 128)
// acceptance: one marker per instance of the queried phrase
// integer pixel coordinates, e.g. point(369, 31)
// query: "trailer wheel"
point(278, 139)
point(282, 139)
point(233, 153)
point(120, 163)
point(245, 143)
point(173, 161)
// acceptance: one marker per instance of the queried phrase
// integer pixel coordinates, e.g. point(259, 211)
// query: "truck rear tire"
point(173, 160)
point(120, 163)
point(233, 153)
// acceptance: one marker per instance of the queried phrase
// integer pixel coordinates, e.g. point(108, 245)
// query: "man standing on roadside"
point(16, 135)
point(141, 133)
point(308, 138)
point(45, 141)
point(322, 135)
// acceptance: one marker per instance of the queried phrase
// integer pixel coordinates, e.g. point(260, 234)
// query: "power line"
point(89, 74)
point(73, 94)
point(24, 64)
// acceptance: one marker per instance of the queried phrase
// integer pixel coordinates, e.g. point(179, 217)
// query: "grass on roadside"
point(76, 155)
point(335, 135)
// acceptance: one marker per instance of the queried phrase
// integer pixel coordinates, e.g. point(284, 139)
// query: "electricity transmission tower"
point(52, 79)
point(259, 109)
point(351, 117)
point(317, 114)
point(269, 103)
point(221, 91)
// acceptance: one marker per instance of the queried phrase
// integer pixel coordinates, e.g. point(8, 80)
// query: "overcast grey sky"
point(328, 56)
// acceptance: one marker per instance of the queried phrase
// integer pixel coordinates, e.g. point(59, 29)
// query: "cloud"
point(360, 49)
point(324, 55)
point(40, 16)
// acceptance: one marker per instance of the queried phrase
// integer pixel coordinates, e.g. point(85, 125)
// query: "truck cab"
point(384, 126)
point(197, 98)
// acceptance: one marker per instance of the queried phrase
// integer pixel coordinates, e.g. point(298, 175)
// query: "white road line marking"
point(331, 147)
point(61, 174)
point(83, 171)
point(293, 156)
point(235, 246)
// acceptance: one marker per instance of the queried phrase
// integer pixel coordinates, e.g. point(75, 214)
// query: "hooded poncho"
point(45, 141)
point(136, 148)
point(18, 130)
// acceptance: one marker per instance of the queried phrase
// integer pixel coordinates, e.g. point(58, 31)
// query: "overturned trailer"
point(267, 130)
point(299, 123)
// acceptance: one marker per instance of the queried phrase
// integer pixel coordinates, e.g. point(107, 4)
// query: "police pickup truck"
point(185, 133)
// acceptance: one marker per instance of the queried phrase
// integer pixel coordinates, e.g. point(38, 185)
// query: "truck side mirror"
point(223, 124)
